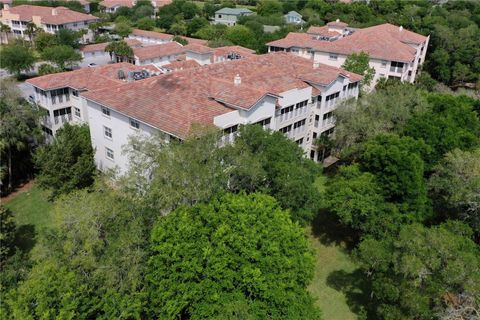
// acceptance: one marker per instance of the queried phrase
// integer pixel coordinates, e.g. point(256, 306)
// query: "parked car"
point(92, 65)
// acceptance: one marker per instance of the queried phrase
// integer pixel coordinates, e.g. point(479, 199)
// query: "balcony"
point(63, 118)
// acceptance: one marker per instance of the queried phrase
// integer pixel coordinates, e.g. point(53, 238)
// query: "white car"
point(92, 65)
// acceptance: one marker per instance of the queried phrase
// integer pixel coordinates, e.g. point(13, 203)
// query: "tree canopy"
point(16, 58)
point(62, 56)
point(237, 257)
point(66, 164)
point(359, 64)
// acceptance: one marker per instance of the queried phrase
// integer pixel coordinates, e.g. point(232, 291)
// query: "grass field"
point(32, 212)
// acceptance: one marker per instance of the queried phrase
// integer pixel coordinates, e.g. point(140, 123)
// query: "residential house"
point(111, 6)
point(229, 16)
point(59, 93)
point(293, 17)
point(48, 19)
point(277, 91)
point(95, 53)
point(158, 54)
point(152, 37)
point(394, 52)
point(205, 55)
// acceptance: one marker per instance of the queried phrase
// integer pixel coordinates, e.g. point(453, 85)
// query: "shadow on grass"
point(356, 287)
point(328, 230)
point(25, 237)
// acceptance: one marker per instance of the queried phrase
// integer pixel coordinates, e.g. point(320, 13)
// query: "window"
point(106, 111)
point(299, 124)
point(299, 142)
point(301, 104)
point(264, 123)
point(60, 93)
point(328, 115)
point(231, 129)
point(333, 56)
point(75, 24)
point(107, 132)
point(352, 85)
point(396, 66)
point(286, 110)
point(314, 136)
point(47, 131)
point(77, 112)
point(328, 132)
point(312, 154)
point(75, 93)
point(286, 129)
point(134, 124)
point(384, 64)
point(344, 88)
point(220, 16)
point(16, 23)
point(109, 153)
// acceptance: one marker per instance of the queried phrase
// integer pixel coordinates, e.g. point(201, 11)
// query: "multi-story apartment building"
point(111, 6)
point(46, 18)
point(278, 91)
point(95, 53)
point(229, 16)
point(59, 93)
point(205, 55)
point(152, 37)
point(394, 52)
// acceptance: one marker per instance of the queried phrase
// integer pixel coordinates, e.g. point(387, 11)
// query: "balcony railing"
point(63, 118)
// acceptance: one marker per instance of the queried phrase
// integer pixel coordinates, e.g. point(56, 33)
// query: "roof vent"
point(54, 12)
point(237, 80)
point(400, 28)
point(121, 74)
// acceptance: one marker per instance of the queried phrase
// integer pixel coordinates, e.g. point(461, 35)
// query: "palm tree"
point(4, 30)
point(323, 143)
point(120, 49)
point(31, 30)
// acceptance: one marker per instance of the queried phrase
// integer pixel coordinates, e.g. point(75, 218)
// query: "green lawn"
point(332, 262)
point(32, 208)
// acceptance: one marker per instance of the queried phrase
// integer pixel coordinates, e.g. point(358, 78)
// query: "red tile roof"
point(160, 3)
point(115, 3)
point(181, 65)
point(174, 102)
point(244, 52)
point(337, 23)
point(151, 34)
point(198, 48)
point(158, 51)
point(385, 41)
point(87, 78)
point(56, 16)
point(322, 31)
point(101, 46)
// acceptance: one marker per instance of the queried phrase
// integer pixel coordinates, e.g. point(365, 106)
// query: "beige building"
point(395, 52)
point(48, 19)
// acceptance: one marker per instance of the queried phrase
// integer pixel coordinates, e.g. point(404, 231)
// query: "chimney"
point(54, 11)
point(6, 7)
point(338, 20)
point(237, 80)
point(400, 28)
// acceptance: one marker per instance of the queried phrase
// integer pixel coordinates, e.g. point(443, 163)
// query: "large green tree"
point(237, 257)
point(67, 163)
point(398, 167)
point(455, 185)
point(422, 271)
point(7, 234)
point(16, 58)
point(382, 111)
point(62, 56)
point(19, 130)
point(359, 63)
point(448, 123)
point(357, 199)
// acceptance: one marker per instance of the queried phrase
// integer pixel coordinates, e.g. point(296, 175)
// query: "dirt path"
point(24, 187)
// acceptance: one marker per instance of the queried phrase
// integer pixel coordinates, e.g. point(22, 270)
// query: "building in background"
point(395, 53)
point(277, 91)
point(59, 93)
point(49, 19)
point(229, 16)
point(293, 17)
point(95, 53)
